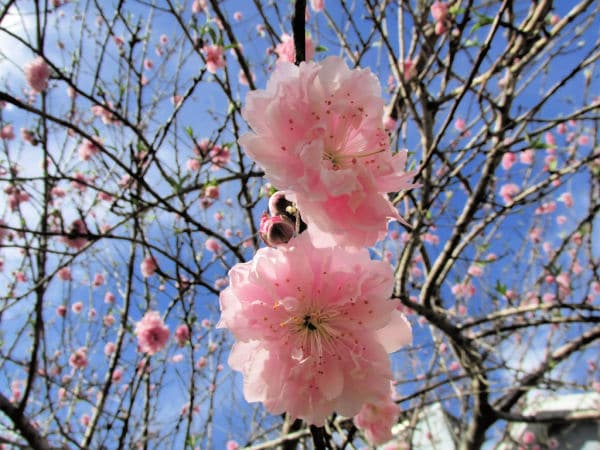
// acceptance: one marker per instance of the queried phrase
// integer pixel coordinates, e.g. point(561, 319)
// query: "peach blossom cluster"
point(311, 313)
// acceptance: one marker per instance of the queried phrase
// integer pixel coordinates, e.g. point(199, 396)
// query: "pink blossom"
point(212, 245)
point(232, 445)
point(475, 270)
point(508, 191)
point(177, 358)
point(527, 156)
point(87, 149)
point(376, 420)
point(61, 311)
point(108, 320)
point(77, 307)
point(219, 156)
point(152, 333)
point(148, 266)
point(318, 134)
point(37, 73)
point(78, 359)
point(198, 6)
point(439, 11)
point(237, 16)
point(28, 136)
point(64, 274)
point(202, 362)
point(117, 375)
point(7, 132)
point(508, 159)
point(409, 70)
point(214, 57)
point(109, 298)
point(550, 139)
point(460, 125)
point(528, 438)
point(182, 334)
point(567, 199)
point(317, 5)
point(313, 328)
point(98, 280)
point(74, 238)
point(286, 50)
point(193, 164)
point(463, 290)
point(109, 348)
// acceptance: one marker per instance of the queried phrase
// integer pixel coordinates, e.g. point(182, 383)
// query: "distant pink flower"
point(527, 156)
point(567, 199)
point(87, 149)
point(28, 136)
point(193, 164)
point(78, 359)
point(317, 5)
point(313, 328)
point(61, 311)
point(232, 445)
point(148, 266)
point(37, 73)
point(117, 375)
point(508, 191)
point(528, 438)
point(98, 280)
point(214, 57)
point(439, 11)
point(219, 156)
point(318, 134)
point(7, 132)
point(198, 6)
point(77, 307)
point(212, 245)
point(550, 139)
point(508, 159)
point(237, 16)
point(286, 50)
point(74, 237)
point(152, 333)
point(460, 125)
point(64, 274)
point(409, 69)
point(109, 298)
point(463, 290)
point(108, 320)
point(182, 334)
point(376, 420)
point(109, 348)
point(475, 270)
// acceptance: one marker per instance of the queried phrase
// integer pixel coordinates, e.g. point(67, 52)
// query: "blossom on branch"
point(318, 133)
point(313, 328)
point(152, 333)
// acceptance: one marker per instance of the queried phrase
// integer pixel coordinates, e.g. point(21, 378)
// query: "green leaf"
point(321, 48)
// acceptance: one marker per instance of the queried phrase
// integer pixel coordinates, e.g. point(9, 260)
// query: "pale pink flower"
point(317, 5)
point(550, 139)
point(117, 375)
point(61, 311)
point(214, 57)
point(152, 333)
point(439, 11)
point(109, 348)
point(64, 274)
point(286, 50)
point(37, 73)
point(460, 125)
point(528, 438)
point(198, 6)
point(212, 245)
point(508, 191)
point(193, 164)
point(78, 359)
point(98, 280)
point(77, 307)
point(109, 298)
point(475, 270)
point(508, 159)
point(219, 156)
point(237, 16)
point(313, 328)
point(409, 70)
point(87, 149)
point(148, 266)
point(527, 156)
point(376, 420)
point(318, 134)
point(177, 358)
point(7, 132)
point(567, 199)
point(28, 136)
point(108, 320)
point(182, 334)
point(74, 238)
